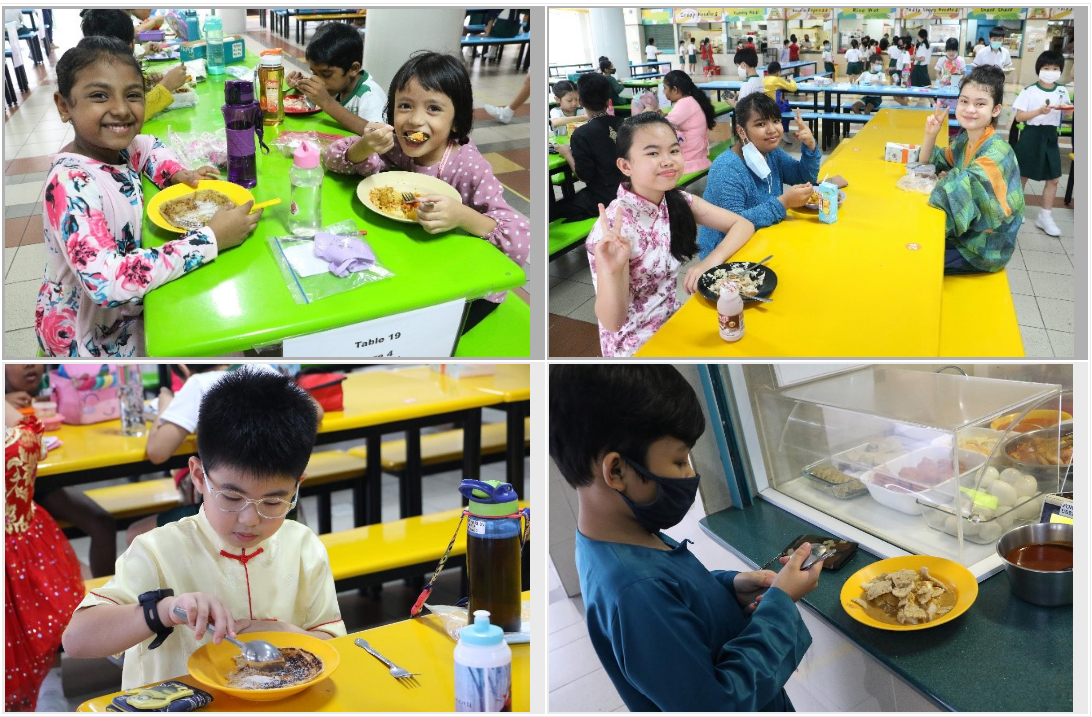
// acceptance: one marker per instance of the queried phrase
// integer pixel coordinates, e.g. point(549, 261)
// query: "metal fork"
point(410, 198)
point(404, 676)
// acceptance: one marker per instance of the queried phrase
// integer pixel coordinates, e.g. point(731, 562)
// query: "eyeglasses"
point(230, 501)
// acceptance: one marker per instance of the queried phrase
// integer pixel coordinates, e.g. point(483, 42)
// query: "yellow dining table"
point(376, 402)
point(362, 684)
point(868, 285)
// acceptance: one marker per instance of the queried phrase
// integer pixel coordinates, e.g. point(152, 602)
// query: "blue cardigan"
point(732, 186)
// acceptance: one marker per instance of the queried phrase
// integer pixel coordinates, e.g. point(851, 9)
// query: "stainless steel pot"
point(1039, 587)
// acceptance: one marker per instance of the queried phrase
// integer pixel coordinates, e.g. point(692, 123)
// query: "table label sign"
point(428, 332)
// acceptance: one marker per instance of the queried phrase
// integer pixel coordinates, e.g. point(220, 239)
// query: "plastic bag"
point(197, 149)
point(287, 142)
point(306, 289)
point(454, 619)
point(910, 183)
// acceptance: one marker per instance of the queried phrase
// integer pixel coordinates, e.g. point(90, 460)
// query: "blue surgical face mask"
point(673, 499)
point(996, 45)
point(755, 160)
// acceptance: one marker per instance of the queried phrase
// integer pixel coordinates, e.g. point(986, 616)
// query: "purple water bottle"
point(242, 118)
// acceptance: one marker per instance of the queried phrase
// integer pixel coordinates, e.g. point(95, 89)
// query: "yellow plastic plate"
point(211, 664)
point(403, 182)
point(954, 575)
point(237, 194)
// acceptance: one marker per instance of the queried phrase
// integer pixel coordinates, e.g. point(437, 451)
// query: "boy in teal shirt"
point(672, 635)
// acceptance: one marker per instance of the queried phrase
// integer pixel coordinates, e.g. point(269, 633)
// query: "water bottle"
point(214, 43)
point(131, 397)
point(305, 212)
point(242, 119)
point(483, 668)
point(493, 547)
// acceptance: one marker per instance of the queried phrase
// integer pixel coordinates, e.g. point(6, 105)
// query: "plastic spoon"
point(256, 652)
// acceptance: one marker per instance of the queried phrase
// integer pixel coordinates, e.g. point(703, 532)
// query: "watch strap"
point(149, 602)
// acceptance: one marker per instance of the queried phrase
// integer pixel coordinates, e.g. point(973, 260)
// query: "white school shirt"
point(651, 52)
point(894, 52)
point(922, 54)
point(870, 78)
point(827, 57)
point(903, 61)
point(752, 85)
point(556, 113)
point(368, 101)
point(184, 407)
point(1033, 97)
point(989, 56)
point(853, 55)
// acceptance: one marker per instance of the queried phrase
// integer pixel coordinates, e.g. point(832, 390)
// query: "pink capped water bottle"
point(305, 213)
point(730, 311)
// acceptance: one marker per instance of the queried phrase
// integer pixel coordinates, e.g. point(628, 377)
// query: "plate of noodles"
point(382, 193)
point(308, 661)
point(752, 279)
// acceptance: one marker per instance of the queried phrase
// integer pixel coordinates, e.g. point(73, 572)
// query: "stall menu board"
point(809, 13)
point(693, 15)
point(929, 13)
point(1060, 12)
point(868, 13)
point(656, 16)
point(996, 13)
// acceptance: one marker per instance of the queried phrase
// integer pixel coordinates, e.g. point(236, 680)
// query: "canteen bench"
point(977, 317)
point(327, 471)
point(504, 333)
point(396, 550)
point(565, 236)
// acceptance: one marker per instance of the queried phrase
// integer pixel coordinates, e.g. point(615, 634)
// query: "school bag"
point(86, 393)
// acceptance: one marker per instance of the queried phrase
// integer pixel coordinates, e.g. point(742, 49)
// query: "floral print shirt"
point(97, 272)
point(653, 271)
point(472, 177)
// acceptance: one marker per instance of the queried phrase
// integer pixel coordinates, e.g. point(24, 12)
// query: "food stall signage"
point(996, 13)
point(656, 16)
point(692, 15)
point(809, 13)
point(868, 13)
point(1057, 12)
point(744, 14)
point(929, 13)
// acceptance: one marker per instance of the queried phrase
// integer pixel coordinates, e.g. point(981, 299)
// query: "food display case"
point(912, 462)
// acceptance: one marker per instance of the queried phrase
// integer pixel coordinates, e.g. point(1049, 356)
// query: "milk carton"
point(828, 203)
point(899, 152)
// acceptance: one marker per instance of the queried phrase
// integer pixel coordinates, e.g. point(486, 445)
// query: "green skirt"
point(919, 76)
point(1037, 152)
point(855, 68)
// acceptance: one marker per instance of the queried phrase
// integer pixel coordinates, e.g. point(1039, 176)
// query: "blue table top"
point(791, 65)
point(846, 88)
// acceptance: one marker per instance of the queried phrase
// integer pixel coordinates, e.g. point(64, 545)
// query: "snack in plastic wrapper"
point(196, 149)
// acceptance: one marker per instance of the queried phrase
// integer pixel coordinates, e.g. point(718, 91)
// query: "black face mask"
point(673, 499)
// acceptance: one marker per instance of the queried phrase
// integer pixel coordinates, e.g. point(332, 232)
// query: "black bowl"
point(769, 280)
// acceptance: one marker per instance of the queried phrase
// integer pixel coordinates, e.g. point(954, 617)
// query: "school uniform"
point(919, 73)
point(672, 636)
point(854, 64)
point(285, 577)
point(1037, 148)
point(367, 100)
point(986, 55)
point(828, 61)
point(871, 78)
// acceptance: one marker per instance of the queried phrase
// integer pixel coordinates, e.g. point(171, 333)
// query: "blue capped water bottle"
point(214, 45)
point(483, 668)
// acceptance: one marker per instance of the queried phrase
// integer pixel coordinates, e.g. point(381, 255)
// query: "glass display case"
point(929, 463)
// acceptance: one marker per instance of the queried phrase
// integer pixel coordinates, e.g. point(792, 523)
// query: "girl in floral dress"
point(635, 259)
point(43, 584)
point(97, 269)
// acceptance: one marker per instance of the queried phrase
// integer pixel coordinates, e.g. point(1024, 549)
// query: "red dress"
point(43, 583)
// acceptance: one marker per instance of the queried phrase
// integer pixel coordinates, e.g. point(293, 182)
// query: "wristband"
point(149, 602)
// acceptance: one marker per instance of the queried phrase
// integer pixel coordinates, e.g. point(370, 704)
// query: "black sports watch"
point(148, 603)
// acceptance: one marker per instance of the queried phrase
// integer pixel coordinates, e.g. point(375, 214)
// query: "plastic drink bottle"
point(305, 212)
point(730, 312)
point(493, 547)
point(271, 87)
point(242, 119)
point(214, 43)
point(483, 668)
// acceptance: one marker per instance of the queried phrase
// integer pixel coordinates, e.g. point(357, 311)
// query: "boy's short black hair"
point(108, 23)
point(438, 72)
point(1049, 57)
point(594, 91)
point(336, 44)
point(747, 56)
point(773, 69)
point(257, 422)
point(599, 408)
point(87, 52)
point(997, 31)
point(876, 57)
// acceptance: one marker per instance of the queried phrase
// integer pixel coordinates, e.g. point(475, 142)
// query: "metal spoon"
point(257, 652)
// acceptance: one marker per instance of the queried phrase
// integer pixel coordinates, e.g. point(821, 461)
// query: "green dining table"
point(240, 301)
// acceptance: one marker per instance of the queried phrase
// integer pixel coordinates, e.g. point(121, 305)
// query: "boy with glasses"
point(237, 564)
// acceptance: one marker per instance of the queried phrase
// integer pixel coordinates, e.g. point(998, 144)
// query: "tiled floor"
point(84, 679)
point(32, 131)
point(1040, 277)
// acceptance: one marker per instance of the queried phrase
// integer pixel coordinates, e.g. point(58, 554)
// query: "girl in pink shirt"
point(693, 116)
point(429, 114)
